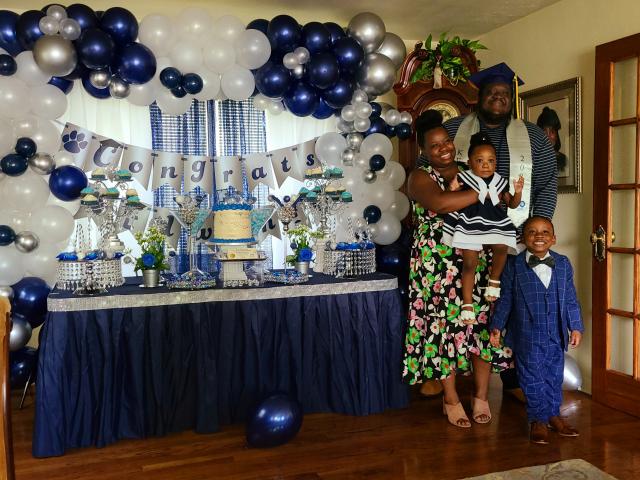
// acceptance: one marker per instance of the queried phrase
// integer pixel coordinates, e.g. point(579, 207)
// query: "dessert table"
point(136, 362)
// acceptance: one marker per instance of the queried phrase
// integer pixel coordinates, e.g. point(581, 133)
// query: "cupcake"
point(87, 191)
point(336, 172)
point(134, 201)
point(312, 197)
point(346, 197)
point(90, 200)
point(131, 192)
point(98, 174)
point(112, 193)
point(304, 191)
point(315, 172)
point(124, 175)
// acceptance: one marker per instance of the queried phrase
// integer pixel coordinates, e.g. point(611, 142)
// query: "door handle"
point(599, 242)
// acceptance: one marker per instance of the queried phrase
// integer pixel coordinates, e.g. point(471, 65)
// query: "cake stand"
point(233, 271)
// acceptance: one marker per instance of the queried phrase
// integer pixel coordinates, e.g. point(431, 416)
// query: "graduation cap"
point(500, 73)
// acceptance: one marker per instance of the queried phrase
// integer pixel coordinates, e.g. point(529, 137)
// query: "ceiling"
point(410, 19)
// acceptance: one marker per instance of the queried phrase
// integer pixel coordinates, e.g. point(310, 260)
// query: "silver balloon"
point(302, 54)
point(57, 11)
point(377, 74)
point(290, 61)
point(344, 127)
point(70, 29)
point(392, 117)
point(26, 242)
point(405, 117)
point(20, 334)
point(298, 71)
point(55, 55)
point(572, 375)
point(394, 48)
point(361, 124)
point(368, 29)
point(7, 292)
point(49, 25)
point(100, 78)
point(359, 96)
point(369, 176)
point(118, 88)
point(348, 155)
point(354, 140)
point(42, 163)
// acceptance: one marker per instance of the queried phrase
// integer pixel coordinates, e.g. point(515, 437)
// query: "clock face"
point(447, 109)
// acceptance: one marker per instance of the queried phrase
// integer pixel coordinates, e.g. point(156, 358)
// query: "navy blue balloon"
point(22, 363)
point(376, 109)
point(378, 125)
point(79, 72)
point(301, 99)
point(273, 79)
point(323, 70)
point(136, 64)
point(339, 94)
point(121, 24)
point(403, 130)
point(99, 93)
point(13, 164)
point(372, 214)
point(30, 298)
point(192, 83)
point(335, 30)
point(170, 77)
point(8, 65)
point(261, 24)
point(178, 91)
point(377, 162)
point(349, 53)
point(391, 258)
point(95, 48)
point(26, 147)
point(8, 39)
point(322, 110)
point(274, 421)
point(284, 33)
point(66, 182)
point(316, 37)
point(83, 14)
point(62, 83)
point(7, 235)
point(28, 28)
point(390, 131)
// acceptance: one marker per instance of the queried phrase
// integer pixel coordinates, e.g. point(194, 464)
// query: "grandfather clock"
point(415, 98)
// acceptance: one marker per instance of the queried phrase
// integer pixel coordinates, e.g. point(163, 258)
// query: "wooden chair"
point(6, 442)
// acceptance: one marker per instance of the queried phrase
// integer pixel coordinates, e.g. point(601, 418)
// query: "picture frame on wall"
point(563, 109)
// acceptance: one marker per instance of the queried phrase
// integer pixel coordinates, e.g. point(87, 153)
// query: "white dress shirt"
point(542, 271)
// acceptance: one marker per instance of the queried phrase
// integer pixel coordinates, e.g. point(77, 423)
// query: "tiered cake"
point(232, 223)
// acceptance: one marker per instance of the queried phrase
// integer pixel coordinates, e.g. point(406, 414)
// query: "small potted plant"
point(301, 238)
point(152, 258)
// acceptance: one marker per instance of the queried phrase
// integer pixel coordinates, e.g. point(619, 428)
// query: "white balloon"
point(363, 109)
point(63, 158)
point(16, 219)
point(72, 207)
point(392, 117)
point(377, 144)
point(275, 107)
point(186, 56)
point(394, 174)
point(329, 148)
point(70, 29)
point(7, 137)
point(144, 94)
point(157, 32)
point(228, 27)
point(361, 161)
point(25, 126)
point(42, 262)
point(400, 206)
point(388, 229)
point(290, 60)
point(348, 113)
point(172, 105)
point(25, 193)
point(379, 194)
point(29, 71)
point(260, 102)
point(193, 24)
point(252, 49)
point(13, 94)
point(405, 117)
point(238, 83)
point(211, 85)
point(11, 265)
point(58, 12)
point(219, 55)
point(47, 137)
point(48, 101)
point(52, 224)
point(361, 124)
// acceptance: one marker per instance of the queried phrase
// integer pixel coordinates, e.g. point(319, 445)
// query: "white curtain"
point(286, 129)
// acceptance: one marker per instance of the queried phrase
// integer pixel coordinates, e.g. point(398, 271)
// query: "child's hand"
point(494, 338)
point(518, 184)
point(454, 184)
point(576, 337)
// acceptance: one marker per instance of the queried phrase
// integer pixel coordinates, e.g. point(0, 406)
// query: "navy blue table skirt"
point(108, 373)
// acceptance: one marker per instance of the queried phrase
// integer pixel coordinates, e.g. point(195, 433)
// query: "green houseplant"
point(301, 243)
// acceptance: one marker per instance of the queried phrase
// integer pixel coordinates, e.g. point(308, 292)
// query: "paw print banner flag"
point(139, 161)
point(78, 142)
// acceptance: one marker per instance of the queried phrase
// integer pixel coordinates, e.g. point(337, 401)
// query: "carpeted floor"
point(576, 469)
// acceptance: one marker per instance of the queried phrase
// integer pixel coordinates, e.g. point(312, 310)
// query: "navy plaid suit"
point(538, 321)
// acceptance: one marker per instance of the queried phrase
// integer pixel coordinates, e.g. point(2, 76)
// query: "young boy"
point(539, 308)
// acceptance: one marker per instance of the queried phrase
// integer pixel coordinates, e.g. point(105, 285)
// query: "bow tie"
point(535, 261)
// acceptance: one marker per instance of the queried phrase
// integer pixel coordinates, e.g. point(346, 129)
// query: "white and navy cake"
point(232, 223)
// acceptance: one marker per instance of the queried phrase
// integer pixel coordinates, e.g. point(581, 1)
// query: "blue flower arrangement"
point(152, 244)
point(301, 240)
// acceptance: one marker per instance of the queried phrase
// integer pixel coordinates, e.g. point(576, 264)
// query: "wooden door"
point(616, 223)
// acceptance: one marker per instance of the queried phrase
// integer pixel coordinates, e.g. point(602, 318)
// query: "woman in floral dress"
point(438, 344)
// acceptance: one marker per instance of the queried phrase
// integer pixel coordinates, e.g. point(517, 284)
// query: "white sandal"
point(492, 292)
point(468, 317)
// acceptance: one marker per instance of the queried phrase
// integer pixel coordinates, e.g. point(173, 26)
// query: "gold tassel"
point(517, 96)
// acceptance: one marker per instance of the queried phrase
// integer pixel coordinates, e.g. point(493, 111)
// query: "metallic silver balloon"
point(368, 29)
point(377, 74)
point(369, 176)
point(70, 29)
point(344, 127)
point(118, 88)
point(100, 78)
point(290, 61)
point(361, 124)
point(7, 292)
point(298, 71)
point(57, 11)
point(572, 375)
point(55, 55)
point(26, 242)
point(20, 333)
point(359, 96)
point(354, 140)
point(394, 48)
point(49, 25)
point(42, 163)
point(348, 155)
point(302, 54)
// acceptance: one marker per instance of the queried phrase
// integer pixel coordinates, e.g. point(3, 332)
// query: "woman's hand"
point(454, 184)
point(494, 338)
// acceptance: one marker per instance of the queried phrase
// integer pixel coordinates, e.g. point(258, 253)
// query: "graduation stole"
point(520, 161)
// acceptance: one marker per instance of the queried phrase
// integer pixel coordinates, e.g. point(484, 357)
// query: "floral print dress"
point(437, 342)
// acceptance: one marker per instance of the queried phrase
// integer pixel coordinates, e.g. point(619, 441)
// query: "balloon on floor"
point(274, 421)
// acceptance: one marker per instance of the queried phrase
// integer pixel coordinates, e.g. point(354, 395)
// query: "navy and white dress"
point(486, 221)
